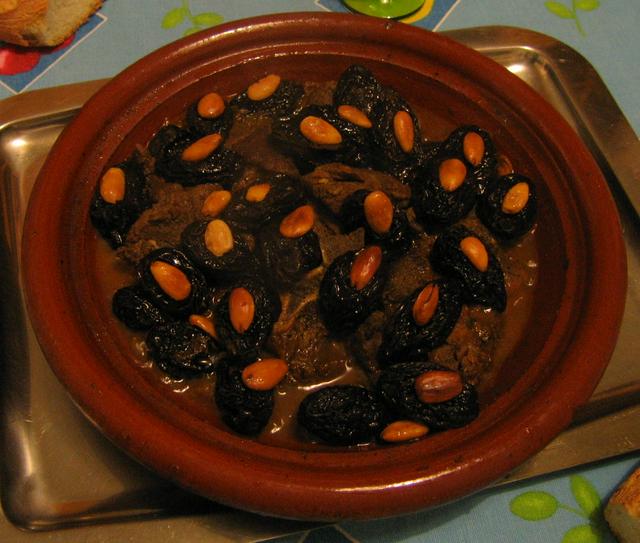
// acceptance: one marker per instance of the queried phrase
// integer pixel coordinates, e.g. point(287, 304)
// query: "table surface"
point(564, 507)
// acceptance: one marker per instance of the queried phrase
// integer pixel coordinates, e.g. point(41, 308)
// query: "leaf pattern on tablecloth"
point(572, 12)
point(182, 14)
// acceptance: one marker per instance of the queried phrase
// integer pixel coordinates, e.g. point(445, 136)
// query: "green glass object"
point(389, 9)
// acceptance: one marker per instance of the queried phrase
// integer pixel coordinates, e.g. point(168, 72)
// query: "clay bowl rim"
point(302, 484)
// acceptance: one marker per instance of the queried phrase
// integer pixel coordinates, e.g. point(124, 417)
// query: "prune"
point(351, 149)
point(281, 103)
point(288, 259)
point(345, 304)
point(396, 239)
point(342, 415)
point(232, 260)
point(405, 339)
point(182, 350)
point(172, 283)
point(396, 387)
point(220, 124)
point(443, 192)
point(475, 147)
point(113, 220)
point(484, 288)
point(220, 166)
point(244, 410)
point(358, 87)
point(135, 310)
point(269, 197)
point(398, 151)
point(508, 206)
point(244, 317)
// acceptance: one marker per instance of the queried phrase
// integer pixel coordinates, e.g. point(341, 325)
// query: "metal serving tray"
point(57, 471)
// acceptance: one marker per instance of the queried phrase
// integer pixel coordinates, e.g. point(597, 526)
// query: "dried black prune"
point(220, 166)
point(135, 310)
point(443, 192)
point(229, 261)
point(114, 219)
point(508, 206)
point(182, 350)
point(396, 387)
point(484, 288)
point(359, 88)
point(351, 149)
point(244, 410)
point(281, 103)
point(203, 125)
point(342, 415)
point(475, 147)
point(405, 338)
point(244, 317)
point(345, 304)
point(288, 259)
point(353, 214)
point(269, 197)
point(172, 283)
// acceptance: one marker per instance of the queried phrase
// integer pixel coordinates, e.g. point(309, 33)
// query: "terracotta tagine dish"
point(324, 266)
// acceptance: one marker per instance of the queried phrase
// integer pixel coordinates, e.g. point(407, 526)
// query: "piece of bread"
point(622, 513)
point(43, 23)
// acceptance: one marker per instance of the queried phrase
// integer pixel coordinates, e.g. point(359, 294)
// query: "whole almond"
point(473, 147)
point(378, 211)
point(264, 374)
point(319, 131)
point(355, 116)
point(516, 198)
point(476, 252)
point(263, 88)
point(211, 106)
point(258, 192)
point(365, 265)
point(173, 281)
point(404, 131)
point(437, 386)
point(216, 203)
point(201, 148)
point(113, 185)
point(297, 223)
point(204, 323)
point(424, 308)
point(451, 173)
point(241, 309)
point(218, 238)
point(504, 166)
point(403, 430)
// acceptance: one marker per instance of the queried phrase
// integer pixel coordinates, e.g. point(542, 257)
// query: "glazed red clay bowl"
point(553, 368)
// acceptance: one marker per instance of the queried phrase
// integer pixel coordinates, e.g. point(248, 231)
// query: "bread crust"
point(22, 22)
point(622, 513)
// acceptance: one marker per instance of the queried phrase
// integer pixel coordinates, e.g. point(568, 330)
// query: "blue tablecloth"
point(565, 507)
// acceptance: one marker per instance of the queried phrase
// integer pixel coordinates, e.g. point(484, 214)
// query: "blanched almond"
point(473, 148)
point(218, 237)
point(403, 130)
point(403, 430)
point(436, 386)
point(257, 193)
point(365, 266)
point(378, 211)
point(216, 203)
point(504, 166)
point(202, 148)
point(113, 185)
point(241, 309)
point(205, 324)
point(319, 131)
point(264, 374)
point(263, 88)
point(426, 304)
point(211, 106)
point(476, 252)
point(173, 281)
point(297, 223)
point(516, 198)
point(451, 174)
point(355, 116)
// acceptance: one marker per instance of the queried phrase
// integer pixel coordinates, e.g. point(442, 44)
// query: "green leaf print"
point(587, 5)
point(586, 496)
point(534, 505)
point(204, 20)
point(584, 533)
point(191, 30)
point(559, 9)
point(173, 18)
